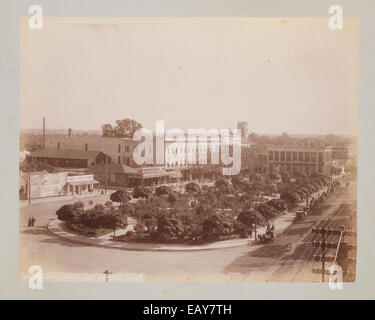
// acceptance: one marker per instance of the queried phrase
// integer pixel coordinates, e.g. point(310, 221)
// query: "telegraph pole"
point(106, 173)
point(29, 186)
point(323, 258)
point(339, 246)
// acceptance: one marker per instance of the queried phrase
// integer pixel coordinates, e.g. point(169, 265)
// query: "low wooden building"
point(69, 158)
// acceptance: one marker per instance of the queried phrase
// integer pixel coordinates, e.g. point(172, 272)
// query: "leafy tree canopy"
point(124, 128)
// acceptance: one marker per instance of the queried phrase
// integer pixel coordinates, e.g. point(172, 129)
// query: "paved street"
point(256, 263)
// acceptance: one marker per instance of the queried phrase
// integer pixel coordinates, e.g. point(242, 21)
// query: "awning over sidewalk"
point(82, 182)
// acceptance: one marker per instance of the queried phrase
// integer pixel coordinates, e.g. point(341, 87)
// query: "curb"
point(130, 248)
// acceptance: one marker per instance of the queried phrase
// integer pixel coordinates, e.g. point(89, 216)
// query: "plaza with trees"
point(225, 209)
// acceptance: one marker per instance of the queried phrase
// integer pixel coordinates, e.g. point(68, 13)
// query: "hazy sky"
point(292, 75)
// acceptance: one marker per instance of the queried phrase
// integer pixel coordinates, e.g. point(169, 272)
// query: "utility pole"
point(29, 186)
point(106, 173)
point(323, 258)
point(255, 229)
point(341, 249)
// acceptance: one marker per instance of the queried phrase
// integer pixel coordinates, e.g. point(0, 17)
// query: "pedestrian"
point(29, 222)
point(32, 221)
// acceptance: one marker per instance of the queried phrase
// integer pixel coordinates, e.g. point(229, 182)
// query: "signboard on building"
point(47, 184)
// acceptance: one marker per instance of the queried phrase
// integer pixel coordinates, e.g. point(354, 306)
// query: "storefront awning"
point(83, 182)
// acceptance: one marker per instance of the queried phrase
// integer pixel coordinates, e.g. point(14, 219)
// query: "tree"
point(250, 216)
point(169, 228)
point(125, 128)
point(141, 192)
point(192, 187)
point(278, 204)
point(267, 211)
point(204, 209)
point(113, 220)
point(108, 130)
point(67, 212)
point(173, 197)
point(120, 196)
point(163, 190)
point(79, 206)
point(222, 183)
point(217, 225)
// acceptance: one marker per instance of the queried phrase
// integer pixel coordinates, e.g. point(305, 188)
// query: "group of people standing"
point(31, 222)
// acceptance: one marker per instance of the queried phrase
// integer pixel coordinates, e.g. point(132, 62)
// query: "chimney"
point(44, 132)
point(69, 132)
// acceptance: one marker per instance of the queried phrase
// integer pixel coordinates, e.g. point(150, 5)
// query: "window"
point(119, 148)
point(270, 155)
point(320, 157)
point(282, 156)
point(295, 156)
point(119, 159)
point(58, 146)
point(307, 156)
point(86, 146)
point(270, 167)
point(277, 155)
point(127, 148)
point(300, 156)
point(313, 156)
point(288, 156)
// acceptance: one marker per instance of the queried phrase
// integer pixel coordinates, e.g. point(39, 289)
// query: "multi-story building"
point(118, 150)
point(242, 125)
point(339, 152)
point(292, 159)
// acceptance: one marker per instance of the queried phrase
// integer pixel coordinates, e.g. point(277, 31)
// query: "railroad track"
point(344, 218)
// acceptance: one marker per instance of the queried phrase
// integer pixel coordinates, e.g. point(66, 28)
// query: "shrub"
point(169, 228)
point(113, 221)
point(192, 187)
point(173, 197)
point(163, 190)
point(141, 192)
point(217, 225)
point(79, 205)
point(249, 216)
point(140, 227)
point(274, 176)
point(300, 174)
point(120, 196)
point(204, 209)
point(278, 204)
point(291, 197)
point(256, 177)
point(267, 211)
point(222, 183)
point(67, 212)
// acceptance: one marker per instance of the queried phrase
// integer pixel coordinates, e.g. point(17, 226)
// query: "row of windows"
point(295, 156)
point(295, 168)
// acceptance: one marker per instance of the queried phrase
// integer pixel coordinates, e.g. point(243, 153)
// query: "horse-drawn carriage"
point(264, 238)
point(268, 236)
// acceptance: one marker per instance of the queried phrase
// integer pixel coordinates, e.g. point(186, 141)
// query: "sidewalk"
point(77, 197)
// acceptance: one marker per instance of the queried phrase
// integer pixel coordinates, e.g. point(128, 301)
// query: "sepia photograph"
point(191, 149)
